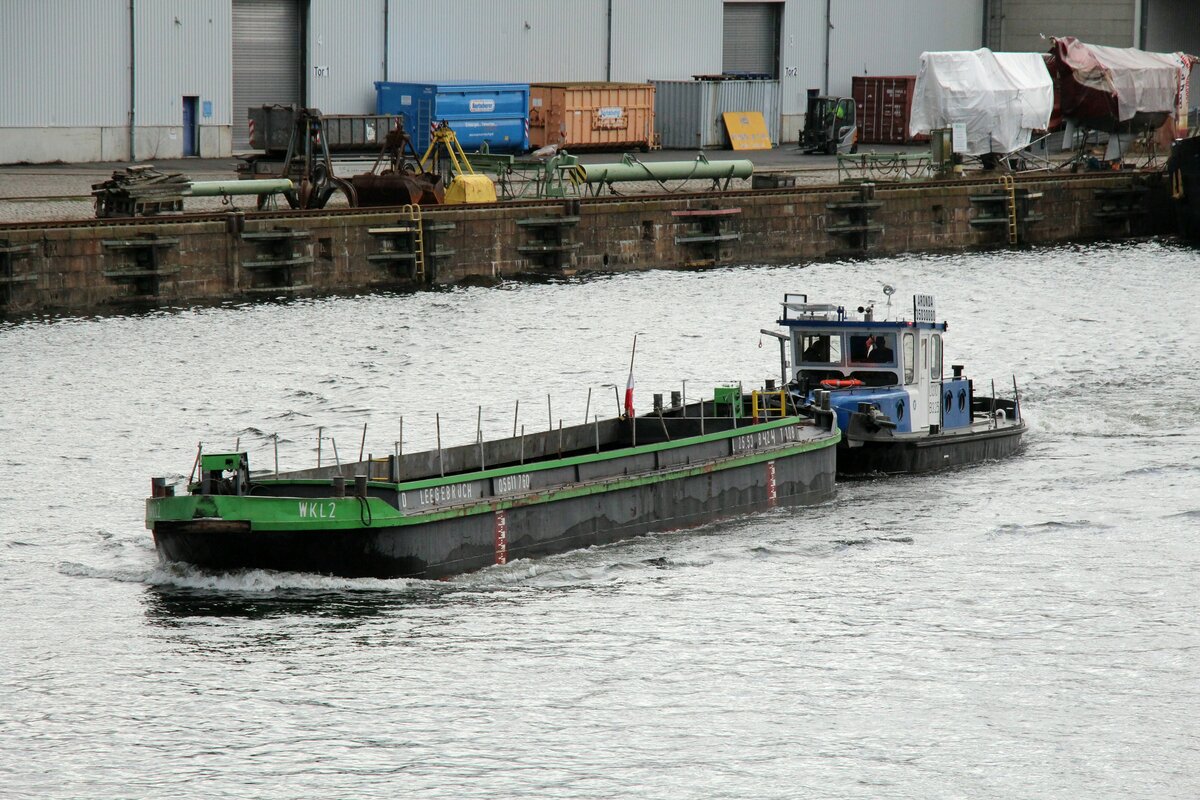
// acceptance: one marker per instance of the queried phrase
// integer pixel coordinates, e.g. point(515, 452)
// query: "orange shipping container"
point(596, 115)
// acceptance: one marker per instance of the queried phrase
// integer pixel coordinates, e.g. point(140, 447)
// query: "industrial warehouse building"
point(117, 80)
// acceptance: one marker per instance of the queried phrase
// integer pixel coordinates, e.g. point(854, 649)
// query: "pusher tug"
point(884, 379)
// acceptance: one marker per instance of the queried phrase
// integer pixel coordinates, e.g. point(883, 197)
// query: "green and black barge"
point(448, 511)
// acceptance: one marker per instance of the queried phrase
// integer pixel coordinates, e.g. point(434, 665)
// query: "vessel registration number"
point(513, 483)
point(769, 438)
point(317, 510)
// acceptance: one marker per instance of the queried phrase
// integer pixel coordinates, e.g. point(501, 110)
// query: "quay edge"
point(110, 265)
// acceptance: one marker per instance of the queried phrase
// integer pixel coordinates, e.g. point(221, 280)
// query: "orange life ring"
point(834, 383)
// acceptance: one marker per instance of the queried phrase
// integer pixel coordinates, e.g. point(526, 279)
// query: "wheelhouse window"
point(935, 362)
point(873, 348)
point(820, 348)
point(910, 358)
point(859, 344)
point(882, 349)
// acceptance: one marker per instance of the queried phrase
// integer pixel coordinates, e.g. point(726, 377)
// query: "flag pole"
point(629, 382)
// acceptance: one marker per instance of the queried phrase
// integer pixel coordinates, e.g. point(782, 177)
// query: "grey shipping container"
point(271, 129)
point(688, 113)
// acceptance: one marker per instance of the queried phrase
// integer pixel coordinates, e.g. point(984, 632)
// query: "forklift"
point(829, 125)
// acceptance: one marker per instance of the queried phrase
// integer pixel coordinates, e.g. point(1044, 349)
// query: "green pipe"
point(632, 169)
point(234, 186)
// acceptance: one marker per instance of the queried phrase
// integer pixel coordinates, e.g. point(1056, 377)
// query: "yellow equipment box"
point(470, 189)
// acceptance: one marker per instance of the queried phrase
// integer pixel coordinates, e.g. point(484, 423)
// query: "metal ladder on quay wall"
point(1006, 181)
point(414, 216)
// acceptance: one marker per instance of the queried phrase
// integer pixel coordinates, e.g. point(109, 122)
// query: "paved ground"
point(31, 192)
point(34, 192)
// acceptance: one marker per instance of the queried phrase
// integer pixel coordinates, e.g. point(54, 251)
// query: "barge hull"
point(473, 541)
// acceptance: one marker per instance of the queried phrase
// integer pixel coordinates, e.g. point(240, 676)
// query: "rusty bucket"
point(393, 189)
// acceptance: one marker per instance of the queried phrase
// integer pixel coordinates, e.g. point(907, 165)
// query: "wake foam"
point(251, 581)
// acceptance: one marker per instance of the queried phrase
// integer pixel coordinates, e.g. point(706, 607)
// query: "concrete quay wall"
point(100, 266)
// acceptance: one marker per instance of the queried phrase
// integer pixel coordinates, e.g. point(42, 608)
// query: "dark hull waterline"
point(928, 453)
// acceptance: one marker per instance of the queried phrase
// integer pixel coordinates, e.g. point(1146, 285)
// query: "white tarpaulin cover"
point(1142, 81)
point(1000, 97)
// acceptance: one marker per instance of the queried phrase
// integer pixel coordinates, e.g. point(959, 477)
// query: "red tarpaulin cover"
point(1118, 88)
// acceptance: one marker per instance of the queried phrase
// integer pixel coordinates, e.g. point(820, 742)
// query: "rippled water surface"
point(1026, 628)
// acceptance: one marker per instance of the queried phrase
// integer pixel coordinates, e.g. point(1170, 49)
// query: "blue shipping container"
point(496, 113)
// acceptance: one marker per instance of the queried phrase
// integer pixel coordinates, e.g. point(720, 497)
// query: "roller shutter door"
point(267, 49)
point(751, 38)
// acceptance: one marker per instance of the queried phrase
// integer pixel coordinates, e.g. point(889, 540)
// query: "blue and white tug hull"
point(869, 449)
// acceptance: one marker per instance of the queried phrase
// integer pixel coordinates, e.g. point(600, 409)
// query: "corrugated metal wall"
point(182, 48)
point(516, 41)
point(1109, 22)
point(1172, 26)
point(688, 113)
point(801, 55)
point(64, 63)
point(642, 50)
point(345, 54)
point(681, 112)
point(869, 40)
point(868, 37)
